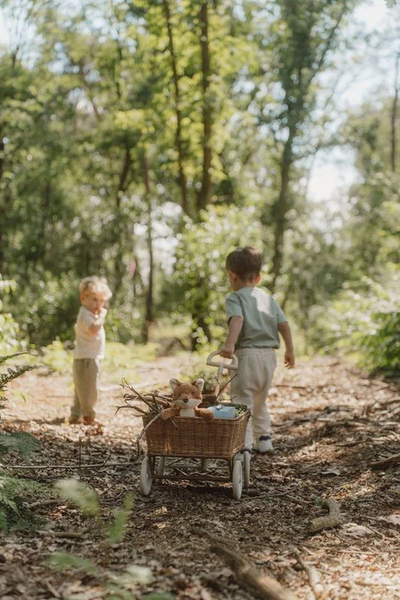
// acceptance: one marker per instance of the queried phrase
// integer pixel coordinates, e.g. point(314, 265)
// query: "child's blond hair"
point(95, 284)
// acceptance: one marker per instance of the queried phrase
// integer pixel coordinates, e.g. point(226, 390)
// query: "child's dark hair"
point(244, 262)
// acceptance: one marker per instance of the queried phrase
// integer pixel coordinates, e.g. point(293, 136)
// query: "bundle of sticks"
point(154, 401)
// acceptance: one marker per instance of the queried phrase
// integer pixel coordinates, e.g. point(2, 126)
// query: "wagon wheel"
point(204, 464)
point(146, 477)
point(160, 466)
point(246, 469)
point(237, 479)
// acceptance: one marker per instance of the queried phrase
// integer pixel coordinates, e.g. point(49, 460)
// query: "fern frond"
point(14, 373)
point(81, 494)
point(117, 528)
point(11, 488)
point(63, 560)
point(9, 356)
point(22, 442)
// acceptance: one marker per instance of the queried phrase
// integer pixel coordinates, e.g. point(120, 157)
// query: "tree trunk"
point(178, 112)
point(123, 184)
point(3, 239)
point(394, 117)
point(149, 314)
point(204, 194)
point(199, 321)
point(280, 209)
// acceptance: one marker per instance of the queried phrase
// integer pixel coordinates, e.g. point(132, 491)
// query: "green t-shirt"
point(261, 315)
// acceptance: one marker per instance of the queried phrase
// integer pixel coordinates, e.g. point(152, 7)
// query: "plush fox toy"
point(186, 397)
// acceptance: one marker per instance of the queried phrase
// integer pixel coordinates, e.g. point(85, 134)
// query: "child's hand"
point(289, 359)
point(227, 350)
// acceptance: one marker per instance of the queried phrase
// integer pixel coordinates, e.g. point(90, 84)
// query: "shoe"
point(75, 420)
point(264, 445)
point(90, 421)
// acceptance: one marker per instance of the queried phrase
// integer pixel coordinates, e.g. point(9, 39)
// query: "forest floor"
point(330, 424)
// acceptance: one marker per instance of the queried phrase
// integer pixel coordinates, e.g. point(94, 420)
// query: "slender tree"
point(204, 194)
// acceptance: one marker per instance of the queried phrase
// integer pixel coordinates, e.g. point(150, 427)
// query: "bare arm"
point(95, 327)
point(235, 327)
point(286, 334)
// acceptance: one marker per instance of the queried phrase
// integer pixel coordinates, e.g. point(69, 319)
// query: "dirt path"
point(330, 425)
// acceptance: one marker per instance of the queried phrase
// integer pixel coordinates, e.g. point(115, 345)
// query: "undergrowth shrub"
point(13, 489)
point(365, 324)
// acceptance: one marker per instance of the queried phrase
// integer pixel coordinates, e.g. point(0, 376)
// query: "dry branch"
point(71, 466)
point(71, 535)
point(333, 519)
point(386, 462)
point(314, 578)
point(246, 574)
point(41, 503)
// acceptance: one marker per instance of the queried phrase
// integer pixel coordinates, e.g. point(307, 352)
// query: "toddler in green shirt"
point(255, 321)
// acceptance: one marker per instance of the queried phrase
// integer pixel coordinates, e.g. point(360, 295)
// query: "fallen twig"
point(314, 577)
point(72, 466)
point(386, 462)
point(294, 387)
point(72, 535)
point(246, 574)
point(45, 503)
point(334, 519)
point(51, 589)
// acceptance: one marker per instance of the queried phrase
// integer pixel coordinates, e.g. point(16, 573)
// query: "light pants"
point(86, 373)
point(250, 387)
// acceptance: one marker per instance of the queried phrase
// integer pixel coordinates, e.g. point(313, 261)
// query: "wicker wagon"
point(194, 438)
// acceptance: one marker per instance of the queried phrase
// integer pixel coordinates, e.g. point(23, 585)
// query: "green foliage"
point(364, 323)
point(12, 493)
point(87, 500)
point(3, 359)
point(382, 345)
point(116, 529)
point(21, 442)
point(62, 561)
point(9, 329)
point(11, 374)
point(56, 357)
point(94, 91)
point(80, 494)
point(200, 282)
point(119, 586)
point(47, 308)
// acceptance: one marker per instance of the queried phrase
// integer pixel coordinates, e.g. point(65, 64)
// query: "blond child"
point(90, 341)
point(255, 321)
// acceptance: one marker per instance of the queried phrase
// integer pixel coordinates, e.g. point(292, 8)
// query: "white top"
point(88, 345)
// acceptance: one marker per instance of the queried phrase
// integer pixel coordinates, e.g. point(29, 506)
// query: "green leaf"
point(3, 521)
point(117, 528)
point(22, 442)
point(9, 356)
point(80, 494)
point(63, 560)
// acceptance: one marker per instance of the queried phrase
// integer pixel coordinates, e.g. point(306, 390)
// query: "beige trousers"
point(86, 373)
point(250, 387)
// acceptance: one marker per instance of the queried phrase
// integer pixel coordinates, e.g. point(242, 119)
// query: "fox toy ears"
point(174, 383)
point(198, 383)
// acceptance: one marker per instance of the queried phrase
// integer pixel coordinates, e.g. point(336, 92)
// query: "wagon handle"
point(215, 363)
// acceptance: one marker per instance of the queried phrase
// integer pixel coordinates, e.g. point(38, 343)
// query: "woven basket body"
point(220, 438)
